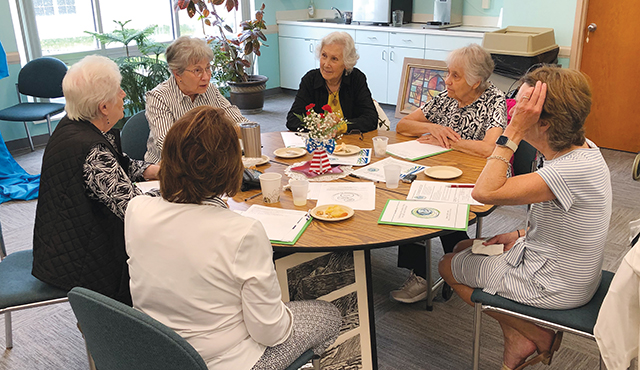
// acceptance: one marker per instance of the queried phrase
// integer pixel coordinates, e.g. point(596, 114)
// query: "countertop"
point(419, 28)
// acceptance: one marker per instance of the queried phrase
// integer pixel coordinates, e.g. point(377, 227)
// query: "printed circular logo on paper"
point(373, 169)
point(346, 197)
point(425, 212)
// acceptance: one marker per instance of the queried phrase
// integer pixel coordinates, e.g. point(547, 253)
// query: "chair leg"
point(49, 124)
point(315, 361)
point(430, 292)
point(8, 330)
point(29, 136)
point(602, 365)
point(477, 325)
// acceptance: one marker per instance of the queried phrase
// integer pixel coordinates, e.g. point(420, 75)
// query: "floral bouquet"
point(323, 129)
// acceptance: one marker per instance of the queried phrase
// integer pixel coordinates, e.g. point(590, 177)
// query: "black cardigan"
point(355, 100)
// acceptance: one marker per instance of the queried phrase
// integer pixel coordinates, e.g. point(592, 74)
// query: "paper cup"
point(380, 146)
point(271, 187)
point(392, 175)
point(299, 189)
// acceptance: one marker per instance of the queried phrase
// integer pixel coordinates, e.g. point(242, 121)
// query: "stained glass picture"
point(422, 79)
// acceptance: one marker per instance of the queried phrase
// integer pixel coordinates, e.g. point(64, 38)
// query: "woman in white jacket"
point(206, 271)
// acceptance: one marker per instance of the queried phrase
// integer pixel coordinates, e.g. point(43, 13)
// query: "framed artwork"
point(339, 278)
point(422, 79)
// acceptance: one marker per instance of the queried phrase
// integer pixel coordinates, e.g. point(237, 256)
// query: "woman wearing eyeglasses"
point(188, 87)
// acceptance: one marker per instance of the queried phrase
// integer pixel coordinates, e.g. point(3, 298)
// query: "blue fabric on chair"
point(15, 182)
point(134, 136)
point(582, 318)
point(40, 78)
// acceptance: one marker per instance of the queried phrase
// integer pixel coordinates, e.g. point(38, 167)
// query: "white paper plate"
point(443, 172)
point(319, 209)
point(349, 150)
point(290, 152)
point(248, 162)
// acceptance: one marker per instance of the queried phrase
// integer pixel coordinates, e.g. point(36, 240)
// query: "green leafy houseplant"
point(233, 54)
point(140, 73)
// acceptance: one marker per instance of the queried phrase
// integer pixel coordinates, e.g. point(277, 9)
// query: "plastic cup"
point(392, 175)
point(299, 189)
point(380, 146)
point(271, 187)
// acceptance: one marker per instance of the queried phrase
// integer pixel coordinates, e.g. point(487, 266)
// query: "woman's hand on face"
point(151, 173)
point(508, 239)
point(440, 135)
point(526, 113)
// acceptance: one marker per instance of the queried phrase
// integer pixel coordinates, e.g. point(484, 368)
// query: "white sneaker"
point(413, 290)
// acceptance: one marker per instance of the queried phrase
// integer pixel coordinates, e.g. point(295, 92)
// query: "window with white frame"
point(61, 24)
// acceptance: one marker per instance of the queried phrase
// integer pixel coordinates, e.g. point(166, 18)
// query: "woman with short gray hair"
point(337, 84)
point(189, 86)
point(86, 184)
point(469, 116)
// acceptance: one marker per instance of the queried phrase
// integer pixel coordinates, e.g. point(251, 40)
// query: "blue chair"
point(134, 136)
point(120, 337)
point(21, 290)
point(579, 321)
point(40, 78)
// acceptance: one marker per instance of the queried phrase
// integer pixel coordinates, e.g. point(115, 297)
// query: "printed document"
point(442, 192)
point(436, 215)
point(375, 171)
point(414, 150)
point(283, 226)
point(357, 195)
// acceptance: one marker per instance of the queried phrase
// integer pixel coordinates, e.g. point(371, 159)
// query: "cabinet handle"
point(391, 55)
point(372, 38)
point(311, 48)
point(384, 55)
point(407, 41)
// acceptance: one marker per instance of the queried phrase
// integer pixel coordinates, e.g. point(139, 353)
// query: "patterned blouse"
point(473, 120)
point(107, 182)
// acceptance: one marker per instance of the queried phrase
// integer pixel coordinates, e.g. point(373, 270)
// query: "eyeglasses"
point(355, 131)
point(198, 72)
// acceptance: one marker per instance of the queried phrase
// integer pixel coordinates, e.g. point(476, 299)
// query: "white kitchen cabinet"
point(297, 57)
point(373, 63)
point(396, 61)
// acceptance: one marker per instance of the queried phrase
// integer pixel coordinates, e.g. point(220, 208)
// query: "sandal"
point(534, 360)
point(557, 340)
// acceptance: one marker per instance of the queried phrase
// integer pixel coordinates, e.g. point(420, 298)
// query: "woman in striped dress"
point(555, 262)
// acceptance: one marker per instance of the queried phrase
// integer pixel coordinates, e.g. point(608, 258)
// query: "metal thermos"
point(251, 139)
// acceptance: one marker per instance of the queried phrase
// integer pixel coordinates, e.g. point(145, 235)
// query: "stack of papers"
point(414, 150)
point(283, 226)
point(375, 171)
point(357, 195)
point(442, 192)
point(436, 215)
point(487, 250)
point(361, 159)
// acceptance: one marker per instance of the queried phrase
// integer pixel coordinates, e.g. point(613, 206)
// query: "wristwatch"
point(506, 142)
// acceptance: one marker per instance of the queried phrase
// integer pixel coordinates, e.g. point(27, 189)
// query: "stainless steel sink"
point(323, 20)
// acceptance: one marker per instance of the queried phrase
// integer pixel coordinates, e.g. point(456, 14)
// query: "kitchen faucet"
point(339, 12)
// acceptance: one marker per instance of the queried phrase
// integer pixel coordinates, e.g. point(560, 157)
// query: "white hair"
point(349, 54)
point(92, 81)
point(186, 50)
point(476, 63)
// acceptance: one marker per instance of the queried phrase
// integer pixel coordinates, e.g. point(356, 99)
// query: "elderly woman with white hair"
point(469, 116)
point(189, 86)
point(85, 187)
point(337, 83)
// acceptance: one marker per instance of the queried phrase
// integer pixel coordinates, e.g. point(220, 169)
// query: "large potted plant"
point(234, 54)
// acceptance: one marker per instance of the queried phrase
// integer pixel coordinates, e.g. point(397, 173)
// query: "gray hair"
point(186, 50)
point(92, 81)
point(476, 63)
point(349, 54)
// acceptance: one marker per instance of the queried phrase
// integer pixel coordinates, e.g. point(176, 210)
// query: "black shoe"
point(447, 291)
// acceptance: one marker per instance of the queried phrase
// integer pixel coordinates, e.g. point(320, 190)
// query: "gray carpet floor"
point(408, 337)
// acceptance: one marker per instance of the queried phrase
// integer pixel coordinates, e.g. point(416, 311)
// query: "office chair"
point(134, 136)
point(120, 337)
point(40, 78)
point(21, 290)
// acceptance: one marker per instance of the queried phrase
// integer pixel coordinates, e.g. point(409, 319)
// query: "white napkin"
point(487, 250)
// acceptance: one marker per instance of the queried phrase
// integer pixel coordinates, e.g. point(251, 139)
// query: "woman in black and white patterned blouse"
point(469, 116)
point(86, 185)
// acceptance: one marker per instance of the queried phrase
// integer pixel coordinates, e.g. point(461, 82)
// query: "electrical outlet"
point(486, 4)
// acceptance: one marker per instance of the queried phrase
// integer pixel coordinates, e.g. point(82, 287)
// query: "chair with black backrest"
point(21, 290)
point(40, 78)
point(120, 337)
point(579, 321)
point(134, 136)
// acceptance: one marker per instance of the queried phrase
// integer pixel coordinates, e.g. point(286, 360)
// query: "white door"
point(396, 61)
point(373, 63)
point(297, 57)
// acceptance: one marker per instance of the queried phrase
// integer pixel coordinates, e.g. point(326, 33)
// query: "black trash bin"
point(515, 49)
